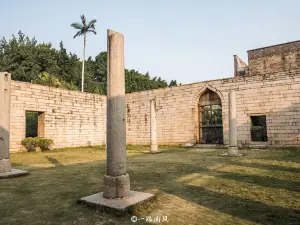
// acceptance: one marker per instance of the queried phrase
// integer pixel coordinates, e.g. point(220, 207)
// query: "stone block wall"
point(79, 119)
point(277, 58)
point(71, 118)
point(275, 95)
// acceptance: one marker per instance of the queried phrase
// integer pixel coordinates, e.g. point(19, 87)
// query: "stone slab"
point(149, 152)
point(122, 204)
point(13, 173)
point(153, 152)
point(215, 146)
point(233, 155)
point(203, 150)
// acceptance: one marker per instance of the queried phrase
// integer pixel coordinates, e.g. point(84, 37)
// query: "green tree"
point(48, 80)
point(30, 61)
point(173, 83)
point(83, 29)
point(17, 55)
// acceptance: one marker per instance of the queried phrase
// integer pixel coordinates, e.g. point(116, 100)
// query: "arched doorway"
point(210, 118)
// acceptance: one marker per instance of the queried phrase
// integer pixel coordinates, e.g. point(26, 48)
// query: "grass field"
point(194, 186)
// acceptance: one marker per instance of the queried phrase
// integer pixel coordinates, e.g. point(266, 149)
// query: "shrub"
point(32, 143)
point(44, 143)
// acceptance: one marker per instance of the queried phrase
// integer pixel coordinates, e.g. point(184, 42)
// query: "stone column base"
point(233, 150)
point(116, 187)
point(118, 205)
point(5, 165)
point(154, 148)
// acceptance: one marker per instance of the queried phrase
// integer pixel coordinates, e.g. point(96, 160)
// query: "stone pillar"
point(5, 80)
point(5, 165)
point(233, 149)
point(116, 180)
point(153, 140)
point(117, 194)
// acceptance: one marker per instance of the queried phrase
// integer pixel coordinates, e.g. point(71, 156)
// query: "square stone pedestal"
point(155, 152)
point(13, 173)
point(232, 155)
point(149, 152)
point(134, 197)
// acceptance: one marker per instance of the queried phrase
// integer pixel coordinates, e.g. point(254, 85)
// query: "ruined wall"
point(79, 119)
point(71, 118)
point(275, 95)
point(277, 58)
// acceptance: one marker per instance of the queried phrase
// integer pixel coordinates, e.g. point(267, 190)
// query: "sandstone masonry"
point(72, 118)
point(270, 86)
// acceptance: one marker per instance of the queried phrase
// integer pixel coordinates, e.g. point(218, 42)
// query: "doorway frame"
point(197, 96)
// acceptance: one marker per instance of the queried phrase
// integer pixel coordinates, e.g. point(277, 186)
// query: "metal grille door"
point(211, 127)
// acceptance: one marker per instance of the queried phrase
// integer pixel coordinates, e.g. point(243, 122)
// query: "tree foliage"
point(30, 61)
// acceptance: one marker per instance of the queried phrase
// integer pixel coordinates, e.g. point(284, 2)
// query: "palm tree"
point(84, 28)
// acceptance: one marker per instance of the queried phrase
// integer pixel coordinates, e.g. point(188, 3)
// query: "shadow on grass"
point(266, 166)
point(247, 209)
point(54, 161)
point(284, 155)
point(58, 189)
point(261, 181)
point(244, 208)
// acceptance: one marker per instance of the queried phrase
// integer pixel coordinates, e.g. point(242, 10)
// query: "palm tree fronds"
point(92, 24)
point(78, 34)
point(91, 30)
point(83, 20)
point(76, 25)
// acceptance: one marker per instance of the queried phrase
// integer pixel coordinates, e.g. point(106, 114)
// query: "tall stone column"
point(116, 181)
point(153, 141)
point(5, 164)
point(117, 194)
point(5, 79)
point(233, 149)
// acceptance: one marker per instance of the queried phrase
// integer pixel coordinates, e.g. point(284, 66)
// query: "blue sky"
point(189, 40)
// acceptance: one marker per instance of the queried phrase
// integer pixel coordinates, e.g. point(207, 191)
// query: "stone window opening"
point(35, 124)
point(259, 128)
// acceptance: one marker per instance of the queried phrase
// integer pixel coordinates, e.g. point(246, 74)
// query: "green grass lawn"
point(194, 186)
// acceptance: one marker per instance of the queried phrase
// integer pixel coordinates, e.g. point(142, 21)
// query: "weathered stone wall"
point(71, 118)
point(274, 95)
point(79, 119)
point(277, 58)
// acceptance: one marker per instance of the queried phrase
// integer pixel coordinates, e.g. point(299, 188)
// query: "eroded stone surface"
point(5, 86)
point(116, 181)
point(232, 149)
point(153, 141)
point(116, 187)
point(5, 165)
point(5, 96)
point(116, 123)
